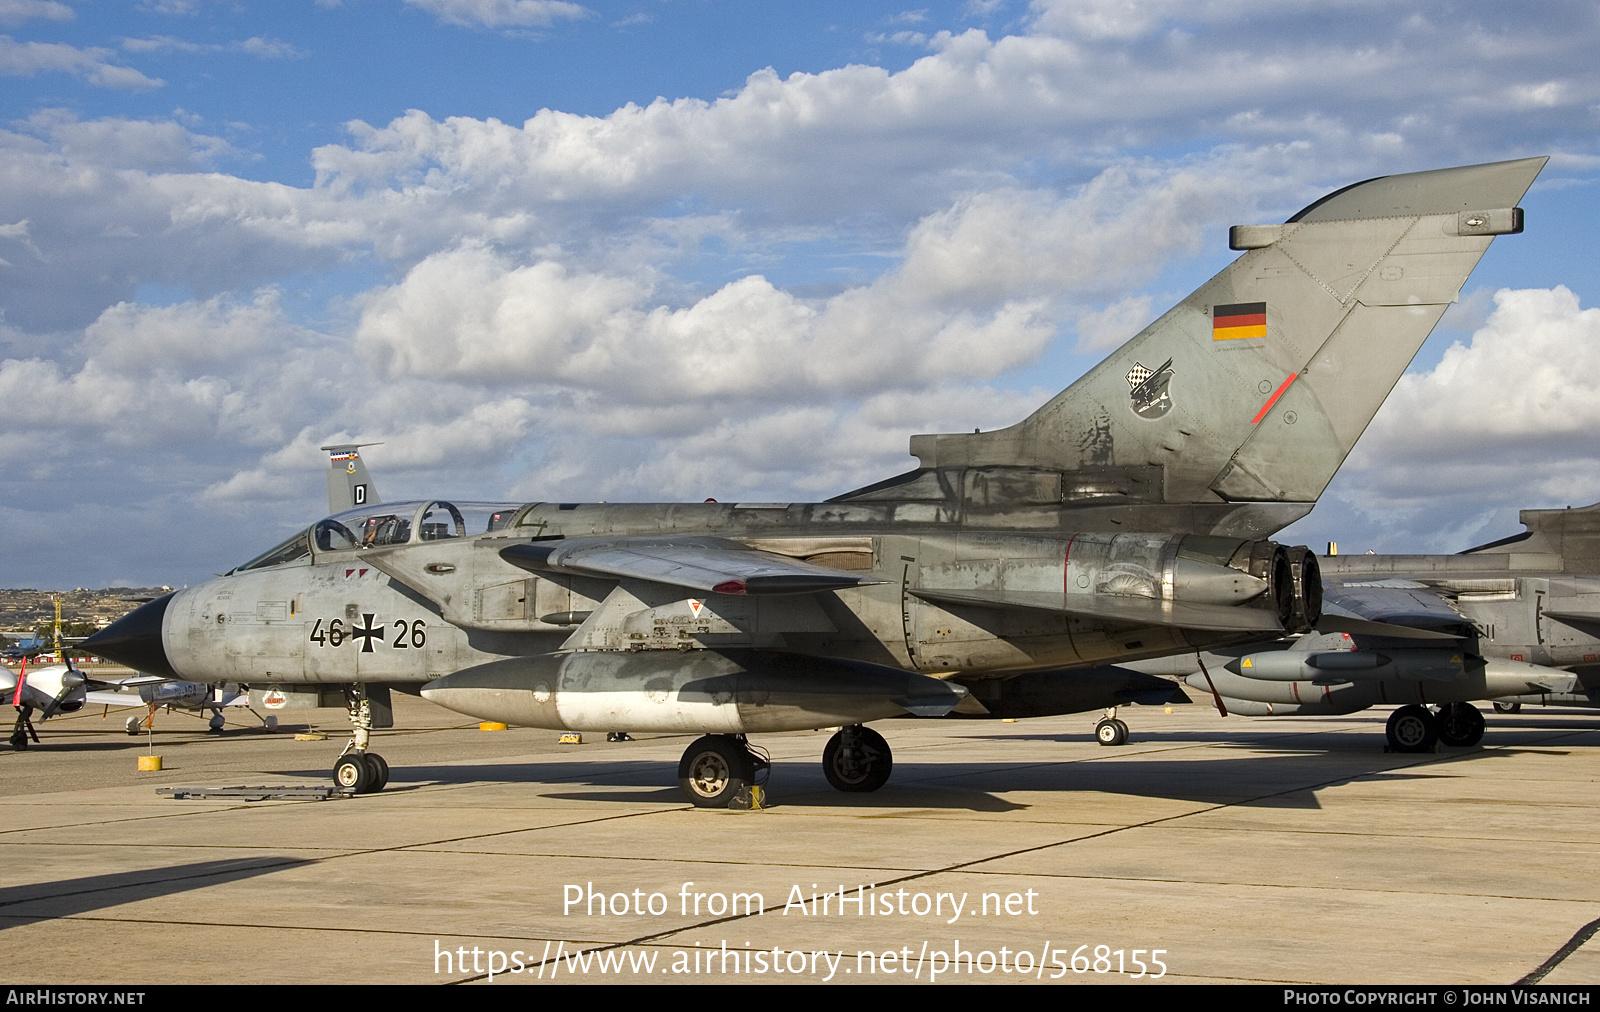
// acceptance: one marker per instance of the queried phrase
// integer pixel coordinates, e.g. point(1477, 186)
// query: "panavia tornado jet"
point(1516, 620)
point(1006, 575)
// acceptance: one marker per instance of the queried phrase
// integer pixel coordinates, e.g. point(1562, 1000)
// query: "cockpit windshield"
point(382, 525)
point(402, 523)
point(279, 555)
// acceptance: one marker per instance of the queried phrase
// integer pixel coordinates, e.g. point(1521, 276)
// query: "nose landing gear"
point(1111, 730)
point(359, 771)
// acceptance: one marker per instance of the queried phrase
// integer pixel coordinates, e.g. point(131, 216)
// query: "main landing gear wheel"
point(714, 769)
point(215, 725)
point(1459, 724)
point(857, 759)
point(1508, 708)
point(134, 725)
point(1411, 729)
point(1111, 731)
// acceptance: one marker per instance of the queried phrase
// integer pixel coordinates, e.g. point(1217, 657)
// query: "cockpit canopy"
point(385, 524)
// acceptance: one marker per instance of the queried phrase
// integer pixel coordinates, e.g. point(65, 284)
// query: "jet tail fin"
point(1254, 389)
point(349, 485)
point(1566, 539)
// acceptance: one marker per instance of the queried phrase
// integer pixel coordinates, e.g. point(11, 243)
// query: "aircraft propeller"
point(71, 681)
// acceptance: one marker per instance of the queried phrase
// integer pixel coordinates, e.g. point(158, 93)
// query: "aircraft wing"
point(129, 683)
point(708, 565)
point(109, 698)
point(1116, 608)
point(1579, 611)
point(1395, 608)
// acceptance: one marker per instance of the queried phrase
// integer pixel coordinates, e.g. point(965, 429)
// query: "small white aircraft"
point(63, 688)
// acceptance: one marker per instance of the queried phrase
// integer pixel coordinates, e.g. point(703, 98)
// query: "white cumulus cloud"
point(502, 13)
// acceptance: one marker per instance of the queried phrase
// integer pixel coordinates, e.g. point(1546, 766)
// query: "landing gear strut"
point(1459, 724)
point(1111, 730)
point(716, 767)
point(1411, 729)
point(359, 771)
point(857, 759)
point(23, 731)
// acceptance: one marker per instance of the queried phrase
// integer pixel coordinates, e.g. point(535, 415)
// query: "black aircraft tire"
point(19, 741)
point(1412, 729)
point(351, 773)
point(866, 771)
point(1110, 731)
point(380, 773)
point(1460, 725)
point(714, 769)
point(1508, 708)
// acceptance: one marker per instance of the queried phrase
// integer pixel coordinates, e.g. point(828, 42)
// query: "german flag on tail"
point(1246, 319)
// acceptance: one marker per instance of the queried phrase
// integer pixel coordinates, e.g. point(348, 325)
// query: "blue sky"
point(669, 249)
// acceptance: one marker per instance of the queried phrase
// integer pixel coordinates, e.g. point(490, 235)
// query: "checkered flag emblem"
point(1138, 374)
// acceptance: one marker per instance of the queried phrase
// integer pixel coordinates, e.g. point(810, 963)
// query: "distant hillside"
point(30, 609)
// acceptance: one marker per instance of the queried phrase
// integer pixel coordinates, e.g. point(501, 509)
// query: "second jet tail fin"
point(1559, 540)
point(349, 485)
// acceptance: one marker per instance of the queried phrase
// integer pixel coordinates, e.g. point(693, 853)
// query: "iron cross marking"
point(367, 632)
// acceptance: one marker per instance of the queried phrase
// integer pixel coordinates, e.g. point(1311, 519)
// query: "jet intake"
point(700, 691)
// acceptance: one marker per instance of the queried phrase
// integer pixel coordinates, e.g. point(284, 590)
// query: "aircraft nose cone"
point(135, 639)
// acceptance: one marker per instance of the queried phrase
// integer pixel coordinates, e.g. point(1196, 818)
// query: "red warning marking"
point(1273, 399)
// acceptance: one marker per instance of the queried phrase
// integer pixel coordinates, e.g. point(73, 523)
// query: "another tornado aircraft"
point(1516, 620)
point(1006, 575)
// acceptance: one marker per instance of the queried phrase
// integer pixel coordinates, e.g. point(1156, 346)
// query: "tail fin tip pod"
point(1255, 388)
point(349, 485)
